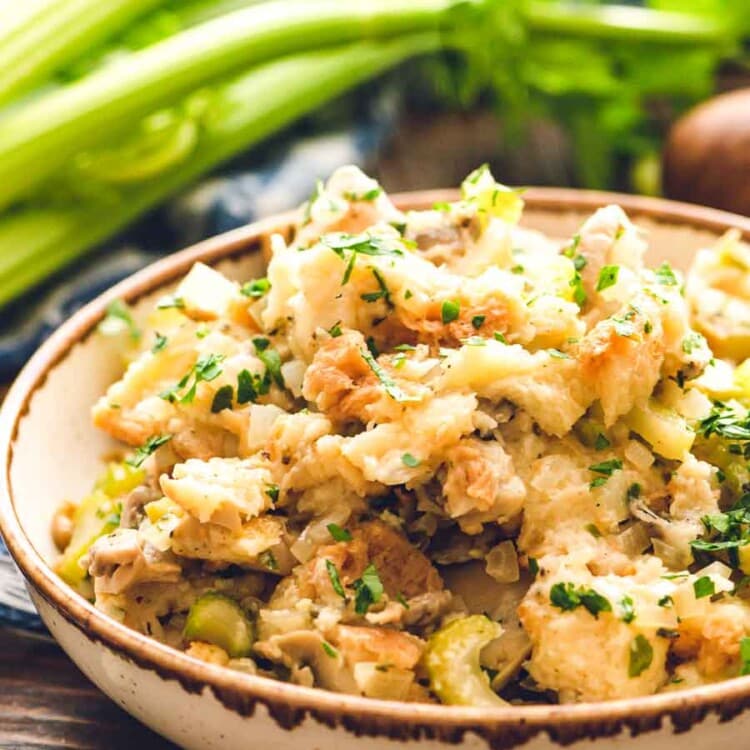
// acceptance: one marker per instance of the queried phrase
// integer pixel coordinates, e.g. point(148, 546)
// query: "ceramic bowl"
point(50, 451)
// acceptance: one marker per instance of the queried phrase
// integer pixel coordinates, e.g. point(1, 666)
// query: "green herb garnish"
point(704, 586)
point(386, 380)
point(641, 656)
point(339, 534)
point(333, 574)
point(223, 399)
point(145, 450)
point(567, 597)
point(256, 288)
point(449, 311)
point(607, 277)
point(368, 590)
point(628, 610)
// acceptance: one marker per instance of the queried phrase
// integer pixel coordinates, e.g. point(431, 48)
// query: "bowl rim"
point(290, 703)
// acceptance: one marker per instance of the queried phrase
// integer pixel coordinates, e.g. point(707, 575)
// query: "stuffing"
point(432, 447)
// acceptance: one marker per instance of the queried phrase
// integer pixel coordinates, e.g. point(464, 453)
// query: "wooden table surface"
point(45, 702)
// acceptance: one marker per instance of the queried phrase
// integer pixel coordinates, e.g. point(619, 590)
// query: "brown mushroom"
point(707, 155)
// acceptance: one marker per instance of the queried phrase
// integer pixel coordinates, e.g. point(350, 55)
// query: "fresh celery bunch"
point(234, 117)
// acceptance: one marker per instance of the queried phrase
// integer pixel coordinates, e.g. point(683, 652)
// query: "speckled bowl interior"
point(51, 452)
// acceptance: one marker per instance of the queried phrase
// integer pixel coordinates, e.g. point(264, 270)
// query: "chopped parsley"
point(382, 293)
point(206, 369)
point(357, 244)
point(368, 195)
point(641, 656)
point(478, 321)
point(159, 344)
point(634, 491)
point(368, 590)
point(223, 399)
point(408, 294)
point(335, 330)
point(607, 467)
point(250, 386)
point(666, 601)
point(339, 534)
point(145, 450)
point(171, 302)
point(272, 491)
point(579, 293)
point(441, 206)
point(533, 567)
point(372, 347)
point(601, 442)
point(725, 422)
point(386, 381)
point(449, 311)
point(330, 650)
point(593, 530)
point(693, 341)
point(118, 317)
point(499, 337)
point(607, 277)
point(410, 461)
point(257, 288)
point(665, 275)
point(402, 600)
point(703, 586)
point(726, 532)
point(270, 358)
point(567, 597)
point(333, 574)
point(627, 608)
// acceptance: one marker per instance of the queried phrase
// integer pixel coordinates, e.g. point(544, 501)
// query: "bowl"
point(50, 451)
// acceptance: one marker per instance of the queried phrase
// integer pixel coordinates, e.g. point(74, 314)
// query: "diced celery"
point(96, 516)
point(668, 433)
point(217, 619)
point(452, 662)
point(119, 479)
point(491, 199)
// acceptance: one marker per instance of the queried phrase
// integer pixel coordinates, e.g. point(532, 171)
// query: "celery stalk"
point(40, 137)
point(51, 33)
point(244, 111)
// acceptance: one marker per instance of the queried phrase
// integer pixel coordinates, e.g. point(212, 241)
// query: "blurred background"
point(131, 128)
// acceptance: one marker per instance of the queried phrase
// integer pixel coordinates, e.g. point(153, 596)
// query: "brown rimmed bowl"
point(50, 451)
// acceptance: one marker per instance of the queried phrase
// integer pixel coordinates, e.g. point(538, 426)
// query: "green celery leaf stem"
point(35, 243)
point(54, 33)
point(625, 23)
point(40, 137)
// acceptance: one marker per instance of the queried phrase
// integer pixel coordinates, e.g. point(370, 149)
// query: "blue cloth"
point(219, 204)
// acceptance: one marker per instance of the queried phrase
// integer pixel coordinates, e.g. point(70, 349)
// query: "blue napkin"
point(281, 181)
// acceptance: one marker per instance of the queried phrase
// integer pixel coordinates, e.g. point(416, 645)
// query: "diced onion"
point(293, 373)
point(639, 455)
point(502, 563)
point(262, 418)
